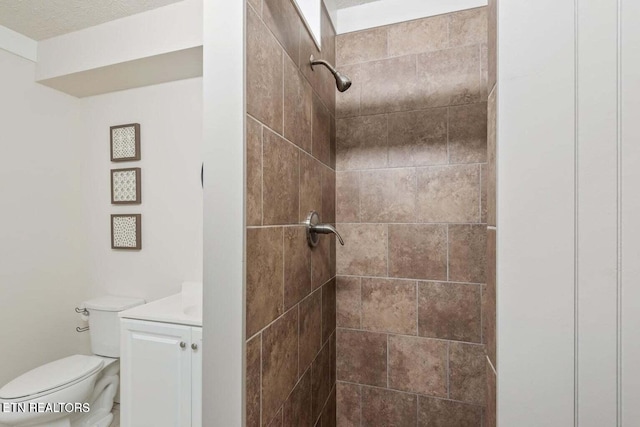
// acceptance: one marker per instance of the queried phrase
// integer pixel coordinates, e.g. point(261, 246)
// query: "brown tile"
point(389, 305)
point(328, 309)
point(418, 251)
point(348, 302)
point(348, 398)
point(467, 372)
point(490, 409)
point(348, 103)
point(277, 420)
point(310, 329)
point(491, 158)
point(361, 46)
point(254, 172)
point(447, 413)
point(388, 195)
point(279, 362)
point(483, 194)
point(310, 186)
point(347, 197)
point(328, 211)
point(467, 253)
point(468, 27)
point(264, 73)
point(334, 348)
point(489, 300)
point(334, 144)
point(449, 77)
point(492, 42)
point(297, 106)
point(449, 194)
point(362, 357)
point(297, 408)
point(449, 311)
point(281, 180)
point(422, 35)
point(320, 380)
point(388, 408)
point(327, 90)
point(365, 250)
point(321, 123)
point(328, 417)
point(418, 138)
point(283, 20)
point(418, 365)
point(468, 133)
point(253, 381)
point(297, 266)
point(362, 142)
point(264, 277)
point(484, 72)
point(391, 85)
point(322, 261)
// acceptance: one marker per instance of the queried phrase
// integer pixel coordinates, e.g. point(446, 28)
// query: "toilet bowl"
point(77, 391)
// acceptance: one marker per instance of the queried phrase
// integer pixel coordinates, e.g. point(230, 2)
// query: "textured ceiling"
point(341, 4)
point(42, 19)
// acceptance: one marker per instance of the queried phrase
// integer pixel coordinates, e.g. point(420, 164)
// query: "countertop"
point(171, 309)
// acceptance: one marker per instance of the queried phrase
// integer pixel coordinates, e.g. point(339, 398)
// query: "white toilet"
point(75, 379)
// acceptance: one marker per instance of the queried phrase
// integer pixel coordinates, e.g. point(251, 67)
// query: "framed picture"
point(126, 186)
point(125, 142)
point(126, 231)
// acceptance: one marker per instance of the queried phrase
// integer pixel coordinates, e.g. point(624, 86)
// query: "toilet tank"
point(104, 324)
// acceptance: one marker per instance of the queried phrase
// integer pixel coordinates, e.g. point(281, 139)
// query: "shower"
point(342, 82)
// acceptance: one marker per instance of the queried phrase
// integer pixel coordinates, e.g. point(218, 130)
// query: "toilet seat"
point(50, 378)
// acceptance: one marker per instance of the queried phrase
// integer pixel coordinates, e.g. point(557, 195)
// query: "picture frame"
point(126, 186)
point(125, 142)
point(126, 231)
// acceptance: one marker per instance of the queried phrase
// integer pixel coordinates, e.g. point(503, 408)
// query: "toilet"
point(78, 380)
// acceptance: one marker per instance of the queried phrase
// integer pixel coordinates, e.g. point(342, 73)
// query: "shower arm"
point(314, 61)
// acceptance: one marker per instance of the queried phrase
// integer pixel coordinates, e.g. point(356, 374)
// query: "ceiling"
point(341, 4)
point(43, 19)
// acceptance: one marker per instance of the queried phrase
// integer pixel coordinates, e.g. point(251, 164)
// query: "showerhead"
point(342, 82)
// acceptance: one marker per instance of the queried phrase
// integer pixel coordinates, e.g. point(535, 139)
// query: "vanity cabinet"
point(161, 374)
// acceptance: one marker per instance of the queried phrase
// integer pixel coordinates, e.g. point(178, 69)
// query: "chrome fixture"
point(82, 311)
point(183, 344)
point(85, 329)
point(314, 228)
point(194, 346)
point(342, 82)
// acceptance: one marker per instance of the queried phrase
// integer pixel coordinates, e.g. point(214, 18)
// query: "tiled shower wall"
point(411, 206)
point(290, 288)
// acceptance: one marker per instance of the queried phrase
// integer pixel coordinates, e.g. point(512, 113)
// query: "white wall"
point(43, 268)
point(170, 117)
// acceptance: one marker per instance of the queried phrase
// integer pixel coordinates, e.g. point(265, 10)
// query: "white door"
point(156, 374)
point(196, 375)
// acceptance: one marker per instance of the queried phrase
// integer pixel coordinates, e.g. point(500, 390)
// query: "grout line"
point(387, 251)
point(447, 231)
point(387, 361)
point(447, 340)
point(378, 223)
point(492, 367)
point(417, 309)
point(261, 174)
point(480, 193)
point(418, 167)
point(260, 377)
point(448, 142)
point(411, 279)
point(448, 372)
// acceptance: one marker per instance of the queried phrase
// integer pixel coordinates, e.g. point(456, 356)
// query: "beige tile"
point(382, 407)
point(257, 5)
point(492, 42)
point(447, 413)
point(348, 398)
point(310, 185)
point(348, 302)
point(391, 85)
point(297, 106)
point(490, 409)
point(362, 357)
point(334, 144)
point(310, 329)
point(388, 195)
point(468, 133)
point(279, 362)
point(449, 77)
point(281, 180)
point(297, 266)
point(467, 253)
point(362, 142)
point(389, 305)
point(264, 277)
point(484, 72)
point(348, 103)
point(321, 123)
point(468, 27)
point(284, 22)
point(328, 418)
point(418, 138)
point(254, 172)
point(418, 251)
point(347, 196)
point(328, 210)
point(489, 300)
point(467, 372)
point(449, 311)
point(365, 250)
point(328, 309)
point(418, 365)
point(297, 408)
point(322, 261)
point(253, 375)
point(361, 46)
point(449, 194)
point(320, 380)
point(483, 193)
point(264, 73)
point(491, 158)
point(422, 35)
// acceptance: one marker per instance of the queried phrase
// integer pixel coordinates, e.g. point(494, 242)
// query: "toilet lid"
point(51, 376)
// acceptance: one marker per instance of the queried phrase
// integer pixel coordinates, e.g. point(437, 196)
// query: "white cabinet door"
point(155, 374)
point(196, 375)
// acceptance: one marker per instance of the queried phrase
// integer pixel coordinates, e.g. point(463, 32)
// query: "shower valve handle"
point(314, 228)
